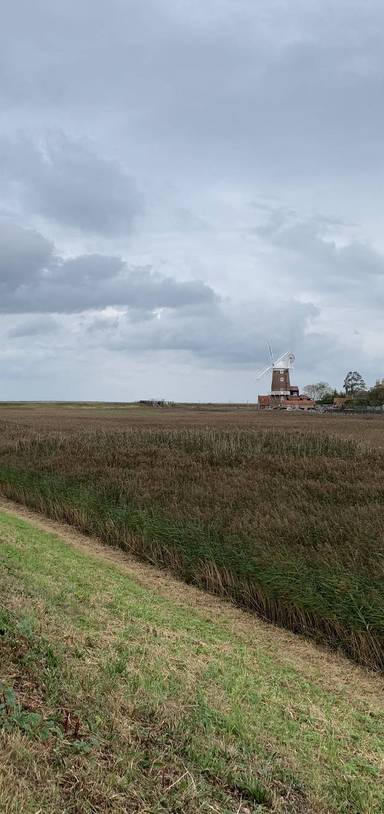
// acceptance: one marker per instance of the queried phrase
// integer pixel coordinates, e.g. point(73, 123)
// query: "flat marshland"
point(124, 690)
point(284, 514)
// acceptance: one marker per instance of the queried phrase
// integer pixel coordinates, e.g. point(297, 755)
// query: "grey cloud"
point(307, 237)
point(226, 336)
point(66, 181)
point(88, 269)
point(33, 280)
point(23, 253)
point(36, 327)
point(269, 88)
point(316, 254)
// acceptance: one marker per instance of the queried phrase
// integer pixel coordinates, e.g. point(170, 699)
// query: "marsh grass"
point(289, 525)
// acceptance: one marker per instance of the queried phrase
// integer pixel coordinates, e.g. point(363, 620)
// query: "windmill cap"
point(285, 361)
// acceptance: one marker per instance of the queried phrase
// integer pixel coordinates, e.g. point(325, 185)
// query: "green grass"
point(289, 525)
point(115, 698)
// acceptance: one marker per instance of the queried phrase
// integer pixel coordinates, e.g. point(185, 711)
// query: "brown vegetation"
point(284, 521)
point(69, 418)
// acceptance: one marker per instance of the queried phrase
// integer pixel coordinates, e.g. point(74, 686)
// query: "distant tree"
point(376, 394)
point(354, 383)
point(328, 397)
point(317, 391)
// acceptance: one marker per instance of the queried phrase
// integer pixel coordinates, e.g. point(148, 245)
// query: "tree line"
point(354, 389)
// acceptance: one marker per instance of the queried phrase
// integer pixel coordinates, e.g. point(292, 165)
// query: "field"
point(282, 513)
point(126, 692)
point(69, 418)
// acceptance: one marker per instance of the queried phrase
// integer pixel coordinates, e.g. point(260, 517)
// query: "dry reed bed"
point(287, 524)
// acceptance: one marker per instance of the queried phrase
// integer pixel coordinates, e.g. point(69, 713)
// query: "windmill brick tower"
point(281, 384)
point(281, 381)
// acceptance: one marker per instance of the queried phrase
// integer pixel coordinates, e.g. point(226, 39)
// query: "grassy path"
point(124, 690)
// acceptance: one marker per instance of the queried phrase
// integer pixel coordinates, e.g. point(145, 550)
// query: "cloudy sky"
point(181, 182)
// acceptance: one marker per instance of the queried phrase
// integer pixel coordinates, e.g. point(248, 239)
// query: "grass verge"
point(116, 699)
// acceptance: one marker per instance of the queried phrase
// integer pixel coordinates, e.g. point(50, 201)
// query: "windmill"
point(281, 387)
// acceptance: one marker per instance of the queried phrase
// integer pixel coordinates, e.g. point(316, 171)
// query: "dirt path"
point(331, 670)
